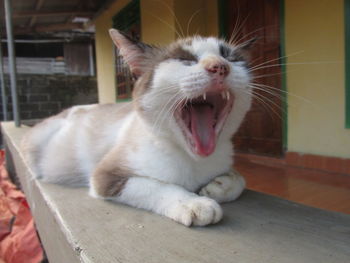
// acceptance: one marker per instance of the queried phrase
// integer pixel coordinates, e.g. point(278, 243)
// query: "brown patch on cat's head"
point(143, 59)
point(174, 51)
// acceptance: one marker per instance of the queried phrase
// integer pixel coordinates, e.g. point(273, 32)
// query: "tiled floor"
point(310, 187)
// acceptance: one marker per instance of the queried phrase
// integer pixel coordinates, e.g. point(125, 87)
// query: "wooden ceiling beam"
point(51, 13)
point(58, 27)
point(79, 7)
point(38, 5)
point(48, 28)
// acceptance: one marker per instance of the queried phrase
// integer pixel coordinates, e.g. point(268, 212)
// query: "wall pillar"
point(12, 62)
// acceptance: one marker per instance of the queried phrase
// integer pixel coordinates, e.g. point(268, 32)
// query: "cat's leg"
point(165, 199)
point(224, 188)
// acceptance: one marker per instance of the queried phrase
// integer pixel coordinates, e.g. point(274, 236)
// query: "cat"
point(169, 150)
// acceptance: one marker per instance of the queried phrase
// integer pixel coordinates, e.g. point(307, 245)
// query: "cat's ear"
point(247, 44)
point(244, 48)
point(133, 52)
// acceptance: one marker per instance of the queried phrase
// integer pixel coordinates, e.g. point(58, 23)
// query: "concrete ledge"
point(257, 228)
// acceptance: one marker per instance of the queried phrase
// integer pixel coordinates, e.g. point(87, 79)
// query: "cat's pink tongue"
point(202, 127)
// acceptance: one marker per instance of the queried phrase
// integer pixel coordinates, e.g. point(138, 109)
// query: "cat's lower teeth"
point(199, 103)
point(225, 95)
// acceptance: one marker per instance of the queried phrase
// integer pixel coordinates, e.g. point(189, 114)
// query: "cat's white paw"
point(197, 211)
point(224, 188)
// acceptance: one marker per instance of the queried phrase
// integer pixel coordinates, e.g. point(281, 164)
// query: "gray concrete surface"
point(255, 228)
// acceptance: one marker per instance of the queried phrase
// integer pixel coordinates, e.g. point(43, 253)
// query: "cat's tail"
point(37, 138)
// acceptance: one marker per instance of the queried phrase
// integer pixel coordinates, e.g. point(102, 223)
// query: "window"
point(128, 21)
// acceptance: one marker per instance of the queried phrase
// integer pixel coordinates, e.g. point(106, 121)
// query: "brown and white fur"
point(170, 150)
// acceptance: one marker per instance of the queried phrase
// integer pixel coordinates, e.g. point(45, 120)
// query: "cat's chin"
point(202, 119)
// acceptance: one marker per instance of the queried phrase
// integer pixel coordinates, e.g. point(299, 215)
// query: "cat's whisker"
point(267, 107)
point(168, 91)
point(182, 35)
point(263, 103)
point(275, 94)
point(227, 38)
point(159, 116)
point(170, 111)
point(239, 27)
point(275, 59)
point(167, 24)
point(252, 32)
point(296, 63)
point(197, 32)
point(232, 39)
point(262, 99)
point(267, 66)
point(178, 105)
point(268, 75)
point(234, 31)
point(244, 43)
point(190, 20)
point(270, 102)
point(283, 91)
point(281, 97)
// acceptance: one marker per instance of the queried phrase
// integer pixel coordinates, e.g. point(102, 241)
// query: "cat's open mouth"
point(202, 119)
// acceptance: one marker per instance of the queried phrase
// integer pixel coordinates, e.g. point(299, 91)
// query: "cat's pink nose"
point(219, 69)
point(216, 66)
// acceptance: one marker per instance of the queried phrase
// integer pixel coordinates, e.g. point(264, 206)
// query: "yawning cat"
point(170, 149)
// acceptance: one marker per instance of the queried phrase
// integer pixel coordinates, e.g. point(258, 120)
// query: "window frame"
point(347, 62)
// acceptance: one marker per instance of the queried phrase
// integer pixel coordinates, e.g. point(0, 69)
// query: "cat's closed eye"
point(234, 58)
point(187, 61)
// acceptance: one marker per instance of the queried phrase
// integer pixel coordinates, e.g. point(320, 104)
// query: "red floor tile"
point(318, 189)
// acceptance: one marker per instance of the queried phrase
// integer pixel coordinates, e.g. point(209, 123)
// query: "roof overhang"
point(57, 18)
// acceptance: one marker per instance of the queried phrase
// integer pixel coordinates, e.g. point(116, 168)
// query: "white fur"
point(224, 188)
point(166, 173)
point(170, 200)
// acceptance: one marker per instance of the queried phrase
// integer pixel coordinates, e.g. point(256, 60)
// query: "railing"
point(46, 66)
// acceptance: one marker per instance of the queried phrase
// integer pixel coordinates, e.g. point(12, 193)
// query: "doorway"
point(261, 131)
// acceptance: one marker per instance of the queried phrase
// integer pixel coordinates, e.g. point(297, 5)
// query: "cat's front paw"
point(224, 188)
point(197, 211)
